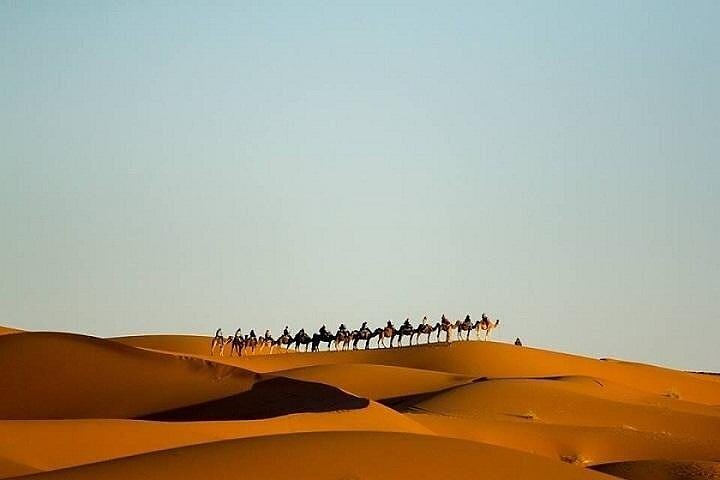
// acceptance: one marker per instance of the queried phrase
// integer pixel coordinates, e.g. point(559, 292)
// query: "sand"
point(160, 406)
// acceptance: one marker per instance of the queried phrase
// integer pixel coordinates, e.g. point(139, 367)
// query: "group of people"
point(343, 338)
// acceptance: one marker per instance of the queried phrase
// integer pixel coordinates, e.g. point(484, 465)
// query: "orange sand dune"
point(582, 445)
point(460, 410)
point(481, 359)
point(550, 402)
point(54, 444)
point(663, 470)
point(58, 375)
point(332, 455)
point(378, 381)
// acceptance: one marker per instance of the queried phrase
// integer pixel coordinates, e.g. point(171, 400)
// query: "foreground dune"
point(160, 407)
point(32, 445)
point(332, 455)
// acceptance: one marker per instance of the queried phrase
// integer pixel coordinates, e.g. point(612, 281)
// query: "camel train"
point(344, 339)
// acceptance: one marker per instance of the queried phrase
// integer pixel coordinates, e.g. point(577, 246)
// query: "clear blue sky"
point(179, 167)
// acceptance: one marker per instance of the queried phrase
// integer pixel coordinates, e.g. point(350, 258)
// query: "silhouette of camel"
point(237, 343)
point(218, 340)
point(321, 337)
point(342, 339)
point(423, 329)
point(301, 338)
point(388, 332)
point(467, 326)
point(446, 326)
point(364, 334)
point(406, 329)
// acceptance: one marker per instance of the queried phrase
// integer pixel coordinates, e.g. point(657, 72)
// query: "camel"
point(218, 340)
point(321, 337)
point(237, 343)
point(406, 329)
point(388, 332)
point(342, 340)
point(467, 326)
point(423, 329)
point(487, 325)
point(300, 338)
point(284, 339)
point(363, 334)
point(446, 326)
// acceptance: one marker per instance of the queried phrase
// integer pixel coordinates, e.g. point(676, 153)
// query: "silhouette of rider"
point(323, 330)
point(267, 335)
point(444, 320)
point(467, 319)
point(424, 321)
point(342, 328)
point(252, 334)
point(286, 332)
point(407, 323)
point(389, 324)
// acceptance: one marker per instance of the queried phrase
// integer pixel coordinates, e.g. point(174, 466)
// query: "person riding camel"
point(444, 320)
point(424, 320)
point(389, 324)
point(286, 332)
point(407, 323)
point(323, 330)
point(268, 336)
point(252, 334)
point(342, 328)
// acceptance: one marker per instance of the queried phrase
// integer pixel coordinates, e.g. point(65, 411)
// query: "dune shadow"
point(268, 398)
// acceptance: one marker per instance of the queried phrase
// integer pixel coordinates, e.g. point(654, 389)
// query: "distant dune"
point(161, 407)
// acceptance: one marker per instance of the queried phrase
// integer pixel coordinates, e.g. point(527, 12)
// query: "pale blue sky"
point(179, 167)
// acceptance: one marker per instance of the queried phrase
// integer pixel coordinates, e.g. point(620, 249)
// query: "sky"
point(179, 167)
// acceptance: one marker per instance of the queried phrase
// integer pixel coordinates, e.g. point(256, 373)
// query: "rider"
point(267, 334)
point(286, 332)
point(252, 334)
point(323, 330)
point(444, 320)
point(407, 323)
point(424, 321)
point(389, 324)
point(467, 319)
point(342, 328)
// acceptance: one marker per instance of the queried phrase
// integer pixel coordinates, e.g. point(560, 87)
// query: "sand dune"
point(663, 470)
point(160, 407)
point(378, 381)
point(58, 375)
point(332, 455)
point(53, 444)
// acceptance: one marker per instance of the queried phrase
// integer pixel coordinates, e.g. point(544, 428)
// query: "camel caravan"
point(343, 339)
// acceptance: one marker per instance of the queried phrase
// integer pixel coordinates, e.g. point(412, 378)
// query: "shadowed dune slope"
point(267, 398)
point(54, 444)
point(378, 381)
point(333, 455)
point(9, 468)
point(662, 470)
point(493, 359)
point(59, 375)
